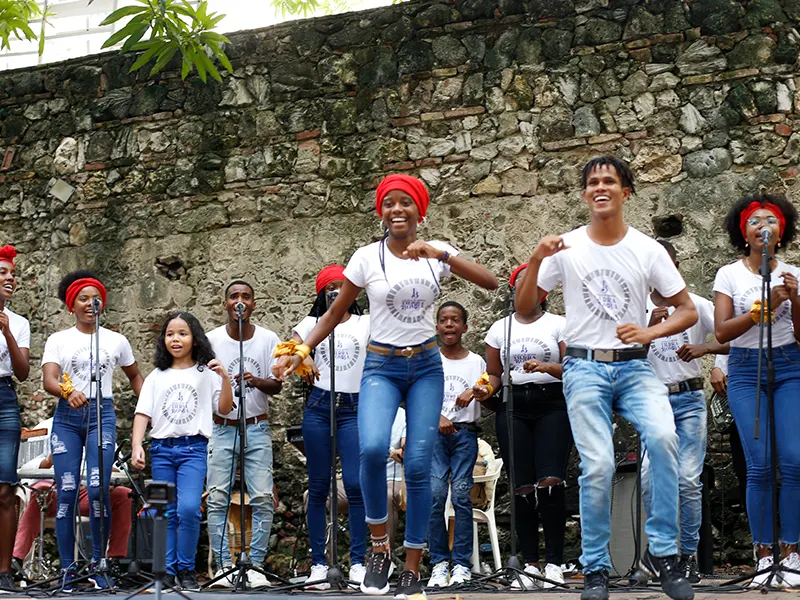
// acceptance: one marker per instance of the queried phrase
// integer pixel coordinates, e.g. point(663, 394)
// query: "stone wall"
point(496, 104)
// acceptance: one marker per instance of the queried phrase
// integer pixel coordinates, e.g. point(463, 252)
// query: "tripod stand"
point(775, 570)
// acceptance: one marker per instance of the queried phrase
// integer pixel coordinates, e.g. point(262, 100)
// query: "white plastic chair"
point(481, 516)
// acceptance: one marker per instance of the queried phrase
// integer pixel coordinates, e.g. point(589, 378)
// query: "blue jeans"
point(386, 382)
point(9, 432)
point(689, 410)
point(742, 378)
point(453, 461)
point(593, 391)
point(73, 430)
point(317, 436)
point(181, 461)
point(223, 453)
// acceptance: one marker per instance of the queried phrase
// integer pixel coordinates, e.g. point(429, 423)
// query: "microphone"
point(239, 308)
point(766, 234)
point(330, 297)
point(97, 304)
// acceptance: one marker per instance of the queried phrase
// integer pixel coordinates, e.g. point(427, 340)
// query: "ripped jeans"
point(542, 445)
point(72, 431)
point(223, 462)
point(453, 461)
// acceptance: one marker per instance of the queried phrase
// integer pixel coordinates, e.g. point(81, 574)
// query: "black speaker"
point(624, 496)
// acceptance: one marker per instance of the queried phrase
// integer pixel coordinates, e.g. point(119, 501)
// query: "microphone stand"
point(776, 568)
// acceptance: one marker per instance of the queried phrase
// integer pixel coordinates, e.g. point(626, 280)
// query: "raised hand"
point(420, 249)
point(548, 246)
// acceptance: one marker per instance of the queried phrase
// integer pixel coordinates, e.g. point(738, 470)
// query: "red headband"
point(753, 207)
point(512, 281)
point(407, 184)
point(329, 274)
point(8, 252)
point(77, 285)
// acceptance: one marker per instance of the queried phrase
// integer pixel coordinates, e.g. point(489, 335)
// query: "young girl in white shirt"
point(178, 399)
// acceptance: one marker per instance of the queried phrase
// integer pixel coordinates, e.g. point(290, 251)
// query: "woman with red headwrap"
point(351, 336)
point(401, 275)
point(542, 434)
point(738, 316)
point(68, 365)
point(14, 353)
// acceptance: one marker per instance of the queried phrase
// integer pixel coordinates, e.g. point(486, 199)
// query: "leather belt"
point(607, 356)
point(690, 385)
point(407, 352)
point(220, 421)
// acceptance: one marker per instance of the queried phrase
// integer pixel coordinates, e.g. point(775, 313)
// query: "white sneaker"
point(256, 579)
point(759, 580)
point(319, 574)
point(357, 572)
point(439, 575)
point(791, 580)
point(460, 574)
point(553, 573)
point(527, 582)
point(225, 582)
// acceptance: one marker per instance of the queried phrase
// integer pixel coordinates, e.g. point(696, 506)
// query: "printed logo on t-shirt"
point(665, 348)
point(250, 366)
point(82, 366)
point(606, 294)
point(408, 300)
point(454, 385)
point(4, 355)
point(348, 349)
point(527, 348)
point(180, 404)
point(745, 302)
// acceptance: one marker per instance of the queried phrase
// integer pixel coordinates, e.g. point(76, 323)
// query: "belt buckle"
point(603, 355)
point(407, 352)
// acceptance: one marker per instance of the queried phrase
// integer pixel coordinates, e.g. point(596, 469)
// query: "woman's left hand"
point(217, 367)
point(420, 249)
point(790, 281)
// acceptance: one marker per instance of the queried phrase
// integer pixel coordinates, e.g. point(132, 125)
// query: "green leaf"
point(146, 57)
point(186, 67)
point(121, 13)
point(206, 62)
point(163, 59)
point(130, 29)
point(222, 58)
point(201, 67)
point(131, 41)
point(209, 36)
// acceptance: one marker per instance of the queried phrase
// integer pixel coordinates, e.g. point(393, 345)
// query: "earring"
point(746, 245)
point(779, 244)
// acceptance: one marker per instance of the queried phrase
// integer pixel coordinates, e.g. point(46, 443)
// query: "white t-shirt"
point(394, 470)
point(460, 375)
point(21, 331)
point(70, 350)
point(744, 287)
point(663, 351)
point(351, 339)
point(401, 301)
point(180, 402)
point(721, 362)
point(532, 341)
point(607, 286)
point(258, 360)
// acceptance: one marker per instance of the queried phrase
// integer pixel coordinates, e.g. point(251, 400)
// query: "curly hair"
point(320, 306)
point(202, 352)
point(71, 278)
point(620, 166)
point(734, 215)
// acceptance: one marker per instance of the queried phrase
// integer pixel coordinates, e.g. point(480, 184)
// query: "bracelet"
point(758, 313)
point(484, 380)
point(67, 387)
point(445, 258)
point(292, 348)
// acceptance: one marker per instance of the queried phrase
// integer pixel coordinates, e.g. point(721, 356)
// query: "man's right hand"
point(137, 457)
point(659, 314)
point(719, 381)
point(548, 246)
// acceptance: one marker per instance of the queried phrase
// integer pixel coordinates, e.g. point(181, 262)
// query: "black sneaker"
point(409, 585)
point(188, 581)
point(169, 582)
point(379, 569)
point(7, 582)
point(666, 569)
point(595, 585)
point(687, 567)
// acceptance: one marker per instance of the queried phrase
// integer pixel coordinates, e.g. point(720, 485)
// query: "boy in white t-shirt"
point(455, 450)
point(606, 270)
point(676, 360)
point(223, 447)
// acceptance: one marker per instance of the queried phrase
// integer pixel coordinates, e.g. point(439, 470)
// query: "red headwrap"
point(407, 184)
point(329, 274)
point(8, 252)
point(512, 281)
point(76, 286)
point(753, 207)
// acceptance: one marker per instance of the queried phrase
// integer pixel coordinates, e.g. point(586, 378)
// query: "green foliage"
point(15, 18)
point(174, 26)
point(310, 8)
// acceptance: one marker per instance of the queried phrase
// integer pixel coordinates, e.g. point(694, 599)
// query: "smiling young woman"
point(401, 275)
point(738, 316)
